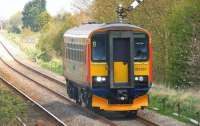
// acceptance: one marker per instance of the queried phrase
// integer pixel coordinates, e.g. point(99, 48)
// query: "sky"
point(10, 7)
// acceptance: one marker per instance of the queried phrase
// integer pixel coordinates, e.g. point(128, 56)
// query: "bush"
point(167, 100)
point(44, 56)
point(169, 105)
point(14, 29)
point(54, 65)
point(51, 40)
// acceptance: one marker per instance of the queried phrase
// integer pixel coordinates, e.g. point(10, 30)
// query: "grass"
point(55, 65)
point(180, 101)
point(11, 106)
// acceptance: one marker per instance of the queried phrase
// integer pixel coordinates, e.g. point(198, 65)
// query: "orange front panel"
point(102, 103)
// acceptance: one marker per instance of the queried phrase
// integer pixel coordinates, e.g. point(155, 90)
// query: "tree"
point(103, 10)
point(32, 14)
point(16, 19)
point(184, 45)
point(43, 19)
point(15, 23)
point(14, 29)
point(51, 40)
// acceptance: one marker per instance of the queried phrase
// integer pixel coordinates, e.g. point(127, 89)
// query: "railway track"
point(62, 96)
point(58, 121)
point(61, 86)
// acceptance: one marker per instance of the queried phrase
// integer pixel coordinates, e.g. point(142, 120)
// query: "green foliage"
point(45, 60)
point(167, 100)
point(49, 41)
point(32, 52)
point(15, 19)
point(43, 19)
point(104, 11)
point(44, 56)
point(14, 29)
point(53, 65)
point(10, 107)
point(180, 41)
point(14, 23)
point(168, 105)
point(52, 34)
point(33, 15)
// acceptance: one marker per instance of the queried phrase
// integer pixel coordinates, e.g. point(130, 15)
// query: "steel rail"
point(61, 123)
point(98, 117)
point(145, 121)
point(28, 67)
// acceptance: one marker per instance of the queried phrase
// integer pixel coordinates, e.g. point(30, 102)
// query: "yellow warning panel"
point(120, 72)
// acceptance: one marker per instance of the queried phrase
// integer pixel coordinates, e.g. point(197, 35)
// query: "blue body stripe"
point(133, 92)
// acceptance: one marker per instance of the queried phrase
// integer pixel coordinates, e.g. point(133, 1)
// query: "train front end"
point(120, 69)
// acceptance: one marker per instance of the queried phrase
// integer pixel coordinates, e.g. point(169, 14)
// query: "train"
point(108, 66)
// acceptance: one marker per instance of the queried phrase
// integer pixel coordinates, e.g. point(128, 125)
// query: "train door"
point(121, 59)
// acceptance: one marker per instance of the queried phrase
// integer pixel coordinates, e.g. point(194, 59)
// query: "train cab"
point(108, 66)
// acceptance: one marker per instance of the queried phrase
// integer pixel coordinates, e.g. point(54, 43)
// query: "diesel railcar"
point(108, 66)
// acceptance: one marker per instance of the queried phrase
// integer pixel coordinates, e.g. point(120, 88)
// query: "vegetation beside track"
point(51, 63)
point(11, 107)
point(169, 101)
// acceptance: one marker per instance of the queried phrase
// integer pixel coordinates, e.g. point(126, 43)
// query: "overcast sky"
point(10, 7)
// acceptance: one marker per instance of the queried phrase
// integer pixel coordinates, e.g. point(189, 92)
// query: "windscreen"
point(141, 46)
point(100, 42)
point(99, 47)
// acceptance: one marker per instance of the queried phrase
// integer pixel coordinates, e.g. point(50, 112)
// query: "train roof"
point(83, 31)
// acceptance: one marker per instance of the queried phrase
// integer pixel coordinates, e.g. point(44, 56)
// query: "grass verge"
point(170, 101)
point(11, 106)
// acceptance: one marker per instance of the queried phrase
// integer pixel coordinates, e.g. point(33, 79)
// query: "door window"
point(121, 49)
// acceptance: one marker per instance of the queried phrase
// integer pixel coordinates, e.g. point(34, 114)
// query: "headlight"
point(103, 79)
point(100, 79)
point(141, 78)
point(99, 82)
point(136, 78)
